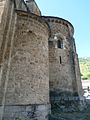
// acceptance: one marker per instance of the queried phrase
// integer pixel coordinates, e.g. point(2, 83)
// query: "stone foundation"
point(66, 102)
point(26, 112)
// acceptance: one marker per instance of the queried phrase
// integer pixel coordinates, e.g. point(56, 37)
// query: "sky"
point(75, 11)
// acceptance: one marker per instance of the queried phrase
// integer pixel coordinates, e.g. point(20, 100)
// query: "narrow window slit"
point(60, 59)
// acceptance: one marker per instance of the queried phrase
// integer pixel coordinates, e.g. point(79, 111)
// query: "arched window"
point(60, 44)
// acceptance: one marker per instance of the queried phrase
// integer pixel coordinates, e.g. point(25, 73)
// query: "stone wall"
point(26, 112)
point(78, 77)
point(33, 7)
point(3, 14)
point(29, 6)
point(59, 25)
point(62, 69)
point(29, 73)
point(6, 34)
point(25, 67)
point(2, 4)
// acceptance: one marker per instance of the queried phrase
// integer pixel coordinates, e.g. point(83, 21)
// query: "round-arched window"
point(60, 43)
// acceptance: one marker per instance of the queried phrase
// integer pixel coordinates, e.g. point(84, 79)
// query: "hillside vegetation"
point(85, 68)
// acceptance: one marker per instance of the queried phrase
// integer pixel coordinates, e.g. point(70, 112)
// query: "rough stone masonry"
point(39, 69)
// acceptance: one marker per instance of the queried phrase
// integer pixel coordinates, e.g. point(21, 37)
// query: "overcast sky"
point(75, 11)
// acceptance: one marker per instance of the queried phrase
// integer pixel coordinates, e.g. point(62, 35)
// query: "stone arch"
point(59, 40)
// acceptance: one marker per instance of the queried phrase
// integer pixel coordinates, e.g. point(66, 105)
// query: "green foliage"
point(84, 78)
point(88, 75)
point(85, 68)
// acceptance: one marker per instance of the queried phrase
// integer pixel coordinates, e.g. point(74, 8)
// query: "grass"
point(85, 68)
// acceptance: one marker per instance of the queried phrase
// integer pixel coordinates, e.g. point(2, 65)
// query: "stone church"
point(39, 68)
